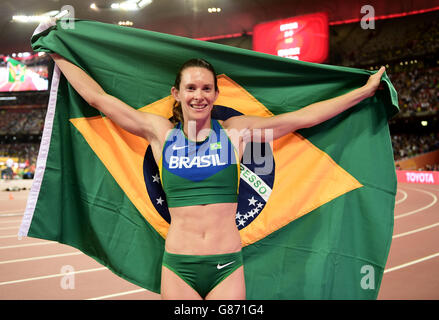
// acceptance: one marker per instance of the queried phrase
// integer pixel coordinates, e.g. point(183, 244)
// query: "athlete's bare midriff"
point(200, 229)
point(203, 230)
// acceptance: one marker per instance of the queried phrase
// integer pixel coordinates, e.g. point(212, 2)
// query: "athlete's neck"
point(197, 130)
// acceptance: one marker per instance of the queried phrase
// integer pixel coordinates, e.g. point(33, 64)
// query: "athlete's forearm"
point(85, 85)
point(321, 111)
point(122, 114)
point(306, 117)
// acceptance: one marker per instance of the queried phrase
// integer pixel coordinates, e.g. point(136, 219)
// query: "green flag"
point(315, 224)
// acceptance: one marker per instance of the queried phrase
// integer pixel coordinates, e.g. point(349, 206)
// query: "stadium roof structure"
point(199, 19)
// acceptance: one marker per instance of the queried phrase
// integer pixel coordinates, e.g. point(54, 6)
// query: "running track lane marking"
point(9, 228)
point(28, 245)
point(13, 221)
point(420, 209)
point(42, 257)
point(117, 294)
point(403, 199)
point(412, 262)
point(10, 236)
point(52, 276)
point(13, 214)
point(416, 230)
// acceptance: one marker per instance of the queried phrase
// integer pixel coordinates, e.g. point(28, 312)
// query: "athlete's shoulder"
point(157, 126)
point(239, 122)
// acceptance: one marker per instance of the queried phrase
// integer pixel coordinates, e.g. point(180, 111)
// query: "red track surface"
point(412, 270)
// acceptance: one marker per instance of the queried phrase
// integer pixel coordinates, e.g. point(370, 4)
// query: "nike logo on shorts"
point(219, 267)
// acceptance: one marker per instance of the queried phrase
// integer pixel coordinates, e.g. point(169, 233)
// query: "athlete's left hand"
point(374, 81)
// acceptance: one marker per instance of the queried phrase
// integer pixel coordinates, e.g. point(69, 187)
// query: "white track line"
point(5, 215)
point(10, 236)
point(10, 212)
point(118, 294)
point(28, 245)
point(41, 257)
point(412, 262)
point(13, 221)
point(420, 209)
point(404, 197)
point(9, 228)
point(52, 276)
point(416, 230)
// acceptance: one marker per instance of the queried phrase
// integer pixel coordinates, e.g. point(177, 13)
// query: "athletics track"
point(35, 269)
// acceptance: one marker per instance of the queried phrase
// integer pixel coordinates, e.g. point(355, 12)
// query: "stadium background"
point(405, 39)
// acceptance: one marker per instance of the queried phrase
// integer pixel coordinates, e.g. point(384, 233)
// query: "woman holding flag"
point(199, 171)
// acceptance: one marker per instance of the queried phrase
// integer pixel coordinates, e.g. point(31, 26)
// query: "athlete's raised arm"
point(306, 117)
point(142, 124)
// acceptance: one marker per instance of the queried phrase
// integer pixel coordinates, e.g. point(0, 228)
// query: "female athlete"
point(202, 258)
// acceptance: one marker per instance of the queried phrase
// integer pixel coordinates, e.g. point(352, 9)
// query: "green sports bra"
point(194, 173)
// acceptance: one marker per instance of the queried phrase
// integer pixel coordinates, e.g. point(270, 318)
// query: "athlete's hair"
point(177, 113)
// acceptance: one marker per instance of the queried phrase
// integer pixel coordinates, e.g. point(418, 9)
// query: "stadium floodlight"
point(28, 19)
point(143, 3)
point(131, 5)
point(214, 10)
point(40, 18)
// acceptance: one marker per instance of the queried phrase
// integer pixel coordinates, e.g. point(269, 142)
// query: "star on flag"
point(156, 178)
point(160, 201)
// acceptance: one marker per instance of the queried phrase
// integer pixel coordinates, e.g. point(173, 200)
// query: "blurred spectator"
point(409, 145)
point(7, 172)
point(23, 151)
point(22, 120)
point(431, 167)
point(418, 90)
point(392, 39)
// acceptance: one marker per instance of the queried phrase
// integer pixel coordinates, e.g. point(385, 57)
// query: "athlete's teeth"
point(198, 107)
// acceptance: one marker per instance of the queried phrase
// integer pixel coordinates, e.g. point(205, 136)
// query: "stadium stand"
point(407, 46)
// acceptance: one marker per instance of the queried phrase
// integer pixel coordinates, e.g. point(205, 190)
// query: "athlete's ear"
point(174, 92)
point(216, 94)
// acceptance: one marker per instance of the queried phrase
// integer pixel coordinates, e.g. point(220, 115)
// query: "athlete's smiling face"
point(197, 93)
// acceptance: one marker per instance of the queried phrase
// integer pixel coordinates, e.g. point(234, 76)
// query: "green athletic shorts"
point(203, 273)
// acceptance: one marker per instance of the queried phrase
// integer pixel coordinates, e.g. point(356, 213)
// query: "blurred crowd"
point(18, 160)
point(23, 121)
point(418, 90)
point(21, 151)
point(431, 167)
point(391, 39)
point(409, 145)
point(399, 42)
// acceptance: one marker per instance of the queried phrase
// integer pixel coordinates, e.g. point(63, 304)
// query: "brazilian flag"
point(315, 209)
point(16, 70)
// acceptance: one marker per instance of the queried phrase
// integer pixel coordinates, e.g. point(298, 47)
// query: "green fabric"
point(210, 190)
point(16, 70)
point(318, 256)
point(203, 272)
